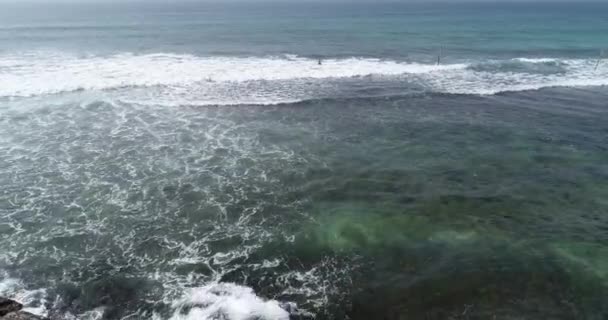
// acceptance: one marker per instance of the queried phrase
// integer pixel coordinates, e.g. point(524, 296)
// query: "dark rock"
point(7, 306)
point(11, 310)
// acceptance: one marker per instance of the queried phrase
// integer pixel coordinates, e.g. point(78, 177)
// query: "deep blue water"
point(277, 161)
point(382, 30)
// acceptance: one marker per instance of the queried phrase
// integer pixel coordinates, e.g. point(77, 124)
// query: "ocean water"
point(194, 160)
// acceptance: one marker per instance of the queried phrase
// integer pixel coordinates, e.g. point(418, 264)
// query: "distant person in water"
point(320, 61)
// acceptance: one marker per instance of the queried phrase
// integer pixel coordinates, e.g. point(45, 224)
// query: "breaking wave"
point(179, 79)
point(225, 301)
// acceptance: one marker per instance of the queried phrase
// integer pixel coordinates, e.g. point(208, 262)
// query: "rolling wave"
point(225, 301)
point(176, 79)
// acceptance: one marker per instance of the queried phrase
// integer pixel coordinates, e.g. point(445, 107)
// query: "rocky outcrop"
point(11, 310)
point(8, 306)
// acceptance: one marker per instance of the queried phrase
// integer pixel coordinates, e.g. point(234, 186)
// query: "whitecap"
point(181, 79)
point(225, 301)
point(56, 73)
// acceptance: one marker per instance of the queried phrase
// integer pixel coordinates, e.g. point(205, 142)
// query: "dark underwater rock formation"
point(11, 310)
point(7, 306)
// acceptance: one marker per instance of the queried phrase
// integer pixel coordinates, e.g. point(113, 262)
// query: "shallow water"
point(416, 205)
point(154, 180)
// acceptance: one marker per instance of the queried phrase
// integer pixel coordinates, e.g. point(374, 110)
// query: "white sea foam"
point(536, 60)
point(579, 73)
point(217, 301)
point(53, 73)
point(178, 79)
point(225, 301)
point(32, 300)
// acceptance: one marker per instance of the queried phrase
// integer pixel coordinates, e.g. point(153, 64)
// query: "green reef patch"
point(443, 260)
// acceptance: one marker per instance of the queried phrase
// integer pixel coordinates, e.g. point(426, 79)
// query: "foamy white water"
point(178, 79)
point(225, 301)
point(54, 73)
point(32, 300)
point(571, 73)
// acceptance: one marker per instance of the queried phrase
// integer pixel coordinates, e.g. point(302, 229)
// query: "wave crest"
point(225, 301)
point(177, 79)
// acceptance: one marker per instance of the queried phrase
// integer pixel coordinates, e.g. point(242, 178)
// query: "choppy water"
point(196, 162)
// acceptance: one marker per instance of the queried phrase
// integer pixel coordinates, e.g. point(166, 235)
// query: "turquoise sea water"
point(382, 30)
point(196, 161)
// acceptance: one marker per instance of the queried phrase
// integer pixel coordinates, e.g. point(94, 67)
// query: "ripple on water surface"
point(420, 206)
